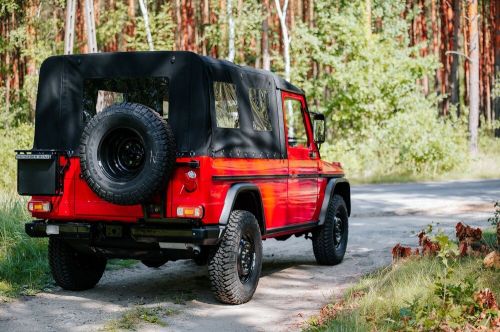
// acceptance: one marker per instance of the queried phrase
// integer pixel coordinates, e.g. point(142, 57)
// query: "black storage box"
point(37, 172)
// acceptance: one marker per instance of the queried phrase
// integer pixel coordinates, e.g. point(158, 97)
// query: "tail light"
point(190, 212)
point(39, 206)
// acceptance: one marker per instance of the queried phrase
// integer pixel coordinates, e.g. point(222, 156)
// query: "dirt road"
point(292, 286)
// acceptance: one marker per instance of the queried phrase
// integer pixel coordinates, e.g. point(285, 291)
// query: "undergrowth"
point(419, 293)
point(23, 261)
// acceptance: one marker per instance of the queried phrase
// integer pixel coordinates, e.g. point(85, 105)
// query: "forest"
point(408, 87)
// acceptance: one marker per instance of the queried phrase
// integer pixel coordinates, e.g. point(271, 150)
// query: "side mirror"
point(319, 128)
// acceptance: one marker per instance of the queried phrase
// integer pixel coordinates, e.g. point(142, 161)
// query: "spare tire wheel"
point(127, 152)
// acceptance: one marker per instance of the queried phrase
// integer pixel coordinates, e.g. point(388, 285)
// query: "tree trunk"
point(266, 58)
point(178, 21)
point(145, 16)
point(206, 21)
point(69, 36)
point(496, 30)
point(445, 69)
point(286, 39)
point(130, 29)
point(453, 78)
point(435, 43)
point(474, 76)
point(230, 40)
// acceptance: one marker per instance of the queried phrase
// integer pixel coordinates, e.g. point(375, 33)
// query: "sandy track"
point(292, 286)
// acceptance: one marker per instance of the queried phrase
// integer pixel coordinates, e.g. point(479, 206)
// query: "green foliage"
point(495, 220)
point(408, 144)
point(12, 139)
point(380, 120)
point(162, 31)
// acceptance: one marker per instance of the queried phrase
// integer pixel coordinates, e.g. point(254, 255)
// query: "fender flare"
point(231, 196)
point(329, 191)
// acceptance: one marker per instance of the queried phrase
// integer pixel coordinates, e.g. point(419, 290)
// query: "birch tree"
point(474, 75)
point(282, 11)
point(144, 11)
point(230, 18)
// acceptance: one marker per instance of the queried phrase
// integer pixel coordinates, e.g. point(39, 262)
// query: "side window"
point(226, 105)
point(259, 101)
point(297, 136)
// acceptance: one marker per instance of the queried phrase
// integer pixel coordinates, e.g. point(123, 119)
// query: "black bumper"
point(172, 231)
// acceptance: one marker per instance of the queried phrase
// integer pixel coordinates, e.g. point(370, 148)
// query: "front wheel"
point(330, 239)
point(73, 270)
point(235, 264)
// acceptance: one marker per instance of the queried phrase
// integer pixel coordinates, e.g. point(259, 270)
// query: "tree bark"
point(266, 58)
point(435, 43)
point(496, 30)
point(474, 76)
point(453, 78)
point(282, 12)
point(230, 40)
point(145, 16)
point(445, 68)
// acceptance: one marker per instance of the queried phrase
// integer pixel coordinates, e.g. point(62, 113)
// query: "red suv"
point(161, 156)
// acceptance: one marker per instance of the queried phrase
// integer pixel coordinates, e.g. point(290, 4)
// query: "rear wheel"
point(234, 266)
point(330, 239)
point(73, 270)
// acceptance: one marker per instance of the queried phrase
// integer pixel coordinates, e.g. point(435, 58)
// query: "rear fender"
point(231, 202)
point(338, 186)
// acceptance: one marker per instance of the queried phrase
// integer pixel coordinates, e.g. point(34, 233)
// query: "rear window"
point(104, 92)
point(226, 105)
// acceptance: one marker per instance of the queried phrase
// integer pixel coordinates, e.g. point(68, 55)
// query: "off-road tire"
point(326, 250)
point(73, 270)
point(154, 263)
point(105, 170)
point(223, 260)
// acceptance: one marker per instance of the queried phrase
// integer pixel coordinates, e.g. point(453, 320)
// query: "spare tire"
point(127, 152)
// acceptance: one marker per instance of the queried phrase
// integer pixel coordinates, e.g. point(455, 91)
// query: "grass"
point(117, 264)
point(131, 319)
point(387, 291)
point(24, 267)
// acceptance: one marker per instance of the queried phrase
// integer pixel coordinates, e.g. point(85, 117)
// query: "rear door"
point(303, 160)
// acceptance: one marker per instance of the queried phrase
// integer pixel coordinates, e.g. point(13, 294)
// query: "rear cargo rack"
point(39, 171)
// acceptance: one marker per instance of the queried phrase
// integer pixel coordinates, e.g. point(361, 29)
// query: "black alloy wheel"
point(330, 239)
point(246, 258)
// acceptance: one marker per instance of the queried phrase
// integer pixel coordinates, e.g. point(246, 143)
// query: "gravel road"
point(292, 286)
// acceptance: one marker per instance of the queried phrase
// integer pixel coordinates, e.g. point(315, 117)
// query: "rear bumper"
point(179, 231)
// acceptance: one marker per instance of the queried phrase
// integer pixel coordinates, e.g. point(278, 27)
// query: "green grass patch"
point(117, 264)
point(389, 293)
point(131, 319)
point(23, 261)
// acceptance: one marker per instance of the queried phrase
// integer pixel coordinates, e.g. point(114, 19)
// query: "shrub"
point(12, 138)
point(410, 143)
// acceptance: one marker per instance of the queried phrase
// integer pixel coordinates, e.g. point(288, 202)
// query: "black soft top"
point(60, 107)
